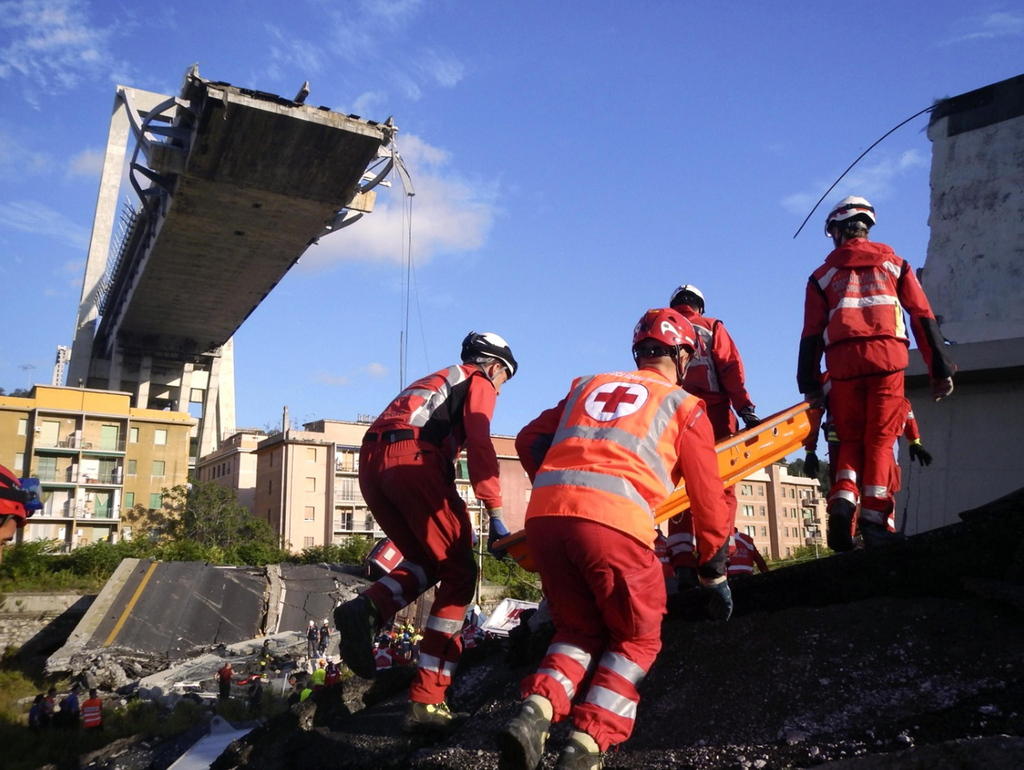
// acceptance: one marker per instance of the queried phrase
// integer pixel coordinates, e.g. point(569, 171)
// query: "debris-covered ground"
point(907, 657)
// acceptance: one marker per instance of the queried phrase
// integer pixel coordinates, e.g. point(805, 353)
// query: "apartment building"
point(233, 465)
point(307, 482)
point(779, 511)
point(95, 456)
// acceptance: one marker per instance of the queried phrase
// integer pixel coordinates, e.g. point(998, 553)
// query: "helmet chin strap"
point(680, 368)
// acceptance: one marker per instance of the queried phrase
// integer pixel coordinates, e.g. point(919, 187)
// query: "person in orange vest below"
point(715, 375)
point(92, 711)
point(743, 555)
point(407, 477)
point(853, 313)
point(600, 462)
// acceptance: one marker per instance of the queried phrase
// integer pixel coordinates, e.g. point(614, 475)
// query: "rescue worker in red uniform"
point(743, 555)
point(853, 313)
point(407, 477)
point(600, 462)
point(715, 375)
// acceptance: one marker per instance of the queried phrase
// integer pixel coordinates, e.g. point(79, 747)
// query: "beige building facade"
point(95, 455)
point(779, 511)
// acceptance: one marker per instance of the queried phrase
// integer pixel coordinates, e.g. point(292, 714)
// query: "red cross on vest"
point(615, 398)
point(612, 400)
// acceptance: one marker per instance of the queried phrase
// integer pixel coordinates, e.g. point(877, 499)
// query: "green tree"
point(209, 515)
point(16, 393)
point(796, 468)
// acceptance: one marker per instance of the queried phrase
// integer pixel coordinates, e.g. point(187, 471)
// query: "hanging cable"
point(403, 345)
point(869, 149)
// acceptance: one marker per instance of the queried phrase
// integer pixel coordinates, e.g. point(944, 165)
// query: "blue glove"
point(719, 598)
point(496, 530)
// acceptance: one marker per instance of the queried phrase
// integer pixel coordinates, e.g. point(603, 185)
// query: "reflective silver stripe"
point(562, 679)
point(873, 490)
point(894, 269)
point(617, 704)
point(732, 541)
point(873, 300)
point(417, 571)
point(847, 475)
point(443, 625)
point(705, 359)
point(396, 590)
point(570, 401)
point(644, 448)
point(622, 666)
point(576, 478)
point(578, 654)
point(453, 375)
point(445, 668)
point(842, 494)
point(741, 568)
point(826, 279)
point(875, 517)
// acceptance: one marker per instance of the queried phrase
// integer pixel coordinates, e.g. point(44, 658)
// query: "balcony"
point(103, 447)
point(67, 476)
point(100, 479)
point(68, 510)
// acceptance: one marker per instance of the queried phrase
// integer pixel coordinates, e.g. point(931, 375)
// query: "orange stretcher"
point(739, 455)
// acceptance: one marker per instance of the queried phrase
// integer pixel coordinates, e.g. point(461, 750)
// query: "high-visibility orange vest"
point(92, 712)
point(615, 454)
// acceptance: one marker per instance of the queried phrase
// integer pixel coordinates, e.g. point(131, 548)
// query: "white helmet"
point(849, 207)
point(687, 288)
point(478, 344)
point(312, 622)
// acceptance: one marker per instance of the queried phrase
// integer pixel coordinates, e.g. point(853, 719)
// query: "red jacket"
point(853, 312)
point(452, 408)
point(615, 447)
point(745, 556)
point(716, 373)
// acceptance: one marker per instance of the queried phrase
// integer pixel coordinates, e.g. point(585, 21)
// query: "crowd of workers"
point(69, 713)
point(602, 459)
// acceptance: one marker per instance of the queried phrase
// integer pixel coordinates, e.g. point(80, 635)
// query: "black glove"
point(749, 418)
point(811, 465)
point(496, 530)
point(919, 453)
point(719, 598)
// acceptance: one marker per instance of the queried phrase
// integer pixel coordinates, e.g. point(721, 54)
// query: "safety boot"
point(878, 535)
point(576, 756)
point(521, 741)
point(840, 525)
point(356, 621)
point(430, 718)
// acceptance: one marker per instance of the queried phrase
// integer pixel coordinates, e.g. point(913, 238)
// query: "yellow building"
point(95, 456)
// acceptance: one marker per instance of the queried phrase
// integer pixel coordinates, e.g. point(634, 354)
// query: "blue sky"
point(573, 162)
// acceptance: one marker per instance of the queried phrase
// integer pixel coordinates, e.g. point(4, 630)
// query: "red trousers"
point(607, 596)
point(680, 528)
point(410, 489)
point(869, 414)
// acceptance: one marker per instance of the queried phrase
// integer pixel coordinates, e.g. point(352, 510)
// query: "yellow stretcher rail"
point(739, 455)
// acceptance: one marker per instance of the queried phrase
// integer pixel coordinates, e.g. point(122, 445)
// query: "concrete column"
point(209, 438)
point(145, 373)
point(116, 365)
point(184, 388)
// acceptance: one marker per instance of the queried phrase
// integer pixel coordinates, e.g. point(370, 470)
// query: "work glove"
point(719, 597)
point(496, 530)
point(919, 453)
point(811, 465)
point(816, 399)
point(749, 418)
point(942, 388)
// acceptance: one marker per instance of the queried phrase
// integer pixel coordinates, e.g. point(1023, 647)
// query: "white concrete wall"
point(974, 273)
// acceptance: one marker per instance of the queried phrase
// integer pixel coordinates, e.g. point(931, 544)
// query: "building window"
point(310, 513)
point(159, 437)
point(307, 542)
point(744, 489)
point(129, 499)
point(133, 435)
point(347, 489)
point(311, 483)
point(154, 500)
point(764, 531)
point(159, 466)
point(19, 462)
point(762, 510)
point(270, 486)
point(311, 454)
point(748, 510)
point(133, 466)
point(22, 426)
point(750, 530)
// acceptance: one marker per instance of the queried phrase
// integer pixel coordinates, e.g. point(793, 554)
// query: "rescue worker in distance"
point(601, 461)
point(715, 375)
point(407, 477)
point(853, 313)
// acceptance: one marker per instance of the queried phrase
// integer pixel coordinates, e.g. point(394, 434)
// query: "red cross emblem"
point(615, 399)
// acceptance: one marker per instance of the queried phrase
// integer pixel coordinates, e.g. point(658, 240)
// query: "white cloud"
point(368, 103)
point(40, 219)
point(441, 67)
point(871, 180)
point(52, 46)
point(338, 380)
point(86, 163)
point(449, 214)
point(287, 51)
point(989, 26)
point(376, 370)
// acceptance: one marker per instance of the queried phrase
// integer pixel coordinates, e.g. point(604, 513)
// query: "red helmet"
point(12, 496)
point(666, 326)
